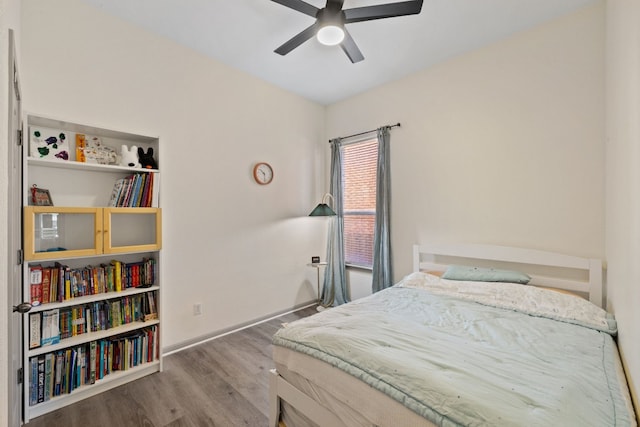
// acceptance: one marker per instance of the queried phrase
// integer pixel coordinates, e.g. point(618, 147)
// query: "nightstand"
point(317, 266)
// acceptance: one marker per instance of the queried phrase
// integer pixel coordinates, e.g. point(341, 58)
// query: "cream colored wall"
point(502, 145)
point(238, 248)
point(623, 180)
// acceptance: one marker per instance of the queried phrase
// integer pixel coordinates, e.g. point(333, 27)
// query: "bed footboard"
point(280, 389)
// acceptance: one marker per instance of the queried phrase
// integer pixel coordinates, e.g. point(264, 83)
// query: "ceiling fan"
point(330, 29)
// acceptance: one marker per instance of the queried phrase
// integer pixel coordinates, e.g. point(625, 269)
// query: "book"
point(35, 330)
point(121, 192)
point(100, 356)
point(51, 327)
point(33, 381)
point(151, 311)
point(61, 277)
point(66, 273)
point(41, 375)
point(127, 195)
point(145, 191)
point(117, 275)
point(92, 362)
point(115, 193)
point(57, 384)
point(110, 277)
point(89, 319)
point(65, 323)
point(72, 369)
point(66, 372)
point(53, 293)
point(46, 285)
point(35, 284)
point(79, 367)
point(138, 190)
point(134, 191)
point(48, 376)
point(102, 285)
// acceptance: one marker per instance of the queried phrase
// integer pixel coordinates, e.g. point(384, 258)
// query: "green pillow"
point(479, 274)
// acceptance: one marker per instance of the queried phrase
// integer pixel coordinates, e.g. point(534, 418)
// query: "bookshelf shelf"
point(107, 383)
point(86, 167)
point(92, 298)
point(91, 336)
point(89, 237)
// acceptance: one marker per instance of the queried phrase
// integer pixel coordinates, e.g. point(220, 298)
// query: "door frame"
point(14, 243)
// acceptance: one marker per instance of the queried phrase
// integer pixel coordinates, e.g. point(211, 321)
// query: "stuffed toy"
point(146, 160)
point(129, 157)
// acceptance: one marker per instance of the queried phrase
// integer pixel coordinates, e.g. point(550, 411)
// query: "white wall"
point(238, 248)
point(503, 145)
point(623, 180)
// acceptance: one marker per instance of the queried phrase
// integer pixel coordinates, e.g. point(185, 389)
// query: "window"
point(359, 162)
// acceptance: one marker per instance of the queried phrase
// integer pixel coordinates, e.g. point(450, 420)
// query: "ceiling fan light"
point(330, 35)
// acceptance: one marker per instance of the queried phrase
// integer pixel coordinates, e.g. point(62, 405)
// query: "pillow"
point(479, 274)
point(435, 273)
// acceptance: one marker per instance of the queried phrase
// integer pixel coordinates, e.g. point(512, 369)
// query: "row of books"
point(135, 191)
point(61, 372)
point(50, 326)
point(60, 282)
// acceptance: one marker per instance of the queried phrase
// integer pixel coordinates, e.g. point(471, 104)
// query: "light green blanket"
point(458, 362)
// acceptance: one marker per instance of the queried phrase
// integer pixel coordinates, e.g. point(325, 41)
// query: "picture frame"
point(40, 197)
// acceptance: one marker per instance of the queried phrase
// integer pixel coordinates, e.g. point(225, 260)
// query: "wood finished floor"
point(223, 382)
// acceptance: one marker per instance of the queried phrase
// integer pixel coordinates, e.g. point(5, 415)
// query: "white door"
point(14, 228)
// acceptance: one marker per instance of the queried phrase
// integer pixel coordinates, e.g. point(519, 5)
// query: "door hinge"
point(19, 141)
point(20, 376)
point(20, 256)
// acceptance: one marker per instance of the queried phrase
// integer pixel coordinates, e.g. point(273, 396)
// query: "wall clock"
point(263, 173)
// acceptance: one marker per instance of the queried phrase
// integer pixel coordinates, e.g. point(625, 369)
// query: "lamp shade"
point(322, 210)
point(330, 35)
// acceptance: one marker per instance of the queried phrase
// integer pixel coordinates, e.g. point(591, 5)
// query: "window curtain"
point(334, 289)
point(382, 275)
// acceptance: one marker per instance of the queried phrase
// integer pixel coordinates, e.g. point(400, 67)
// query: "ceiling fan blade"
point(300, 6)
point(350, 48)
point(297, 40)
point(369, 13)
point(335, 4)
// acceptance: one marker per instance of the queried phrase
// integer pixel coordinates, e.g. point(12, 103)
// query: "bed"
point(432, 351)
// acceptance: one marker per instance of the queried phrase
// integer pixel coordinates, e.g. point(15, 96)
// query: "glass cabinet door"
point(53, 232)
point(132, 230)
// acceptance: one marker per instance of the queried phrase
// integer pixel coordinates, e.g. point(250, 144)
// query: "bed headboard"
point(436, 257)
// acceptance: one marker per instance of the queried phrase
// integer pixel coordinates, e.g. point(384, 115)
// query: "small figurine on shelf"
point(40, 197)
point(95, 152)
point(146, 160)
point(129, 157)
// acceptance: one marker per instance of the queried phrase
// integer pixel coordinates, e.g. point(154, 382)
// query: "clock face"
point(263, 173)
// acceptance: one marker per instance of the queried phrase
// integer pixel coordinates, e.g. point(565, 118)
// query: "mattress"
point(353, 401)
point(428, 352)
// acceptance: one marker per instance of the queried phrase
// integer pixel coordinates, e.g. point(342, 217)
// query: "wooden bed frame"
point(438, 257)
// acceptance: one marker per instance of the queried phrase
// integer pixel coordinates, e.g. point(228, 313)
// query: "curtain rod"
point(369, 131)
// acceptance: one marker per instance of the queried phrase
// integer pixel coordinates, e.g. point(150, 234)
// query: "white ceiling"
point(244, 33)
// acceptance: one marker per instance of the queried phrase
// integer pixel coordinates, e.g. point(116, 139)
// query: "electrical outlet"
point(197, 309)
